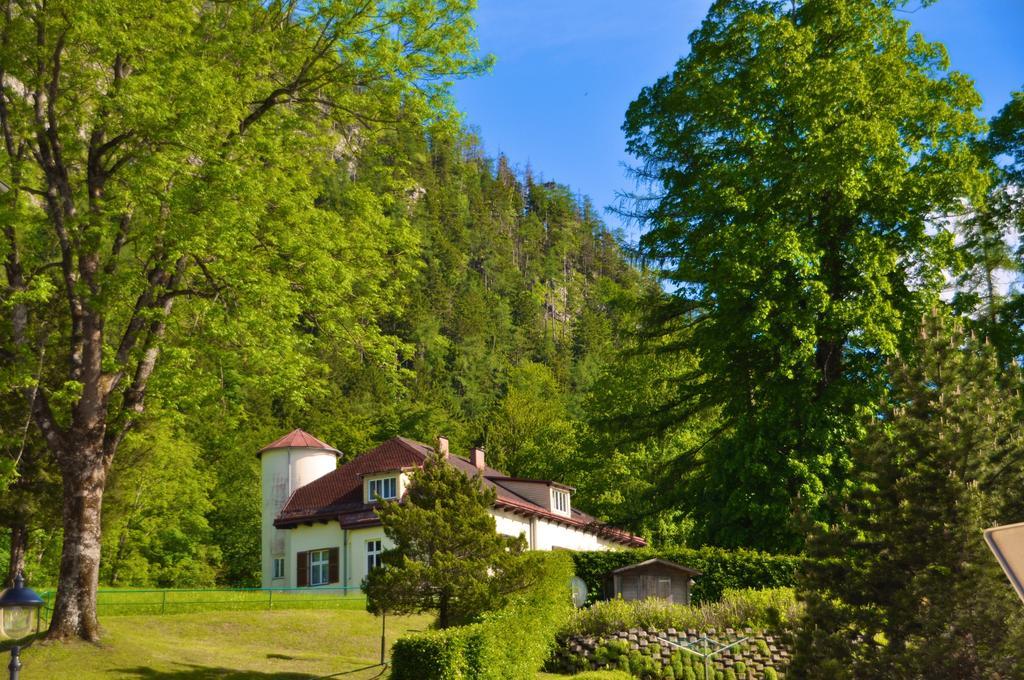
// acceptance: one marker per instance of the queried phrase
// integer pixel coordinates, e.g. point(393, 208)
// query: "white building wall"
point(357, 540)
point(512, 525)
point(304, 538)
point(273, 541)
point(284, 471)
point(550, 536)
point(540, 535)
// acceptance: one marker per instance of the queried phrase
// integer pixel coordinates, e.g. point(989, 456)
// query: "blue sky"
point(567, 69)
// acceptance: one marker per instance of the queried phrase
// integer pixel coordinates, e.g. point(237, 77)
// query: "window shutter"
point(302, 569)
point(332, 566)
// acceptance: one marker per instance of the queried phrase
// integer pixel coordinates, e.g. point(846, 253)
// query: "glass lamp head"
point(19, 610)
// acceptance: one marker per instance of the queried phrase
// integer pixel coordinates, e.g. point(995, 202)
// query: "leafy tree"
point(161, 161)
point(988, 287)
point(985, 293)
point(447, 556)
point(795, 156)
point(155, 530)
point(905, 586)
point(1006, 137)
point(531, 433)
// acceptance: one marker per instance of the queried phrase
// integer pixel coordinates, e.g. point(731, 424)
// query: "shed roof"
point(657, 561)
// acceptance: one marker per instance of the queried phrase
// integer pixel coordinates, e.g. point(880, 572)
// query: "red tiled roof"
point(297, 439)
point(339, 494)
point(341, 491)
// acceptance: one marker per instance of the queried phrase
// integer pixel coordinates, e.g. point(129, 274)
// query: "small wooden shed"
point(653, 578)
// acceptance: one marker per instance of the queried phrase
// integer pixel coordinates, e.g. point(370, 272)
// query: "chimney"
point(477, 459)
point(442, 447)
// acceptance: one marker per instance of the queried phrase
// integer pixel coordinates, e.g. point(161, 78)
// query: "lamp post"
point(19, 617)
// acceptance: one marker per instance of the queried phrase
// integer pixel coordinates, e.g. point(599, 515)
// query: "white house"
point(320, 528)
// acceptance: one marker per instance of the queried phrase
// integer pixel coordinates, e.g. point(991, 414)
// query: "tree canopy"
point(796, 156)
point(159, 186)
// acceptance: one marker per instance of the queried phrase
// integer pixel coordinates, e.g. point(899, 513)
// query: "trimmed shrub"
point(770, 674)
point(721, 568)
point(510, 643)
point(435, 654)
point(737, 609)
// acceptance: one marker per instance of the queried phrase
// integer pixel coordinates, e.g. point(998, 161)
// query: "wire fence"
point(123, 602)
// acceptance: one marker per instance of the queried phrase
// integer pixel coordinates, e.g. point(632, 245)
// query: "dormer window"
point(560, 501)
point(385, 489)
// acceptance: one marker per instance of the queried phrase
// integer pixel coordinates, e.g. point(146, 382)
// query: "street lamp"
point(19, 617)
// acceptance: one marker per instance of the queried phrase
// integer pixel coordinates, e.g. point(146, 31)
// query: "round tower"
point(292, 461)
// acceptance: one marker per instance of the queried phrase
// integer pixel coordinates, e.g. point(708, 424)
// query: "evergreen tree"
point(447, 556)
point(905, 586)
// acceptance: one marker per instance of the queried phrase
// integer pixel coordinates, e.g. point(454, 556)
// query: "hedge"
point(511, 643)
point(720, 569)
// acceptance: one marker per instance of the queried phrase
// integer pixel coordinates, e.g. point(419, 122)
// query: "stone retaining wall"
point(759, 652)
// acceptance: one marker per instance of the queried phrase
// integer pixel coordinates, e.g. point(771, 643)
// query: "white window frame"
point(374, 550)
point(319, 566)
point(382, 491)
point(278, 567)
point(560, 500)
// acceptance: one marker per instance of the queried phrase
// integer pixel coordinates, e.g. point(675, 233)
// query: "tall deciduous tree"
point(904, 585)
point(160, 162)
point(796, 156)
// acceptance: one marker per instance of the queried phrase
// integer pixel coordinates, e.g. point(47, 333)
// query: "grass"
point(283, 645)
point(228, 645)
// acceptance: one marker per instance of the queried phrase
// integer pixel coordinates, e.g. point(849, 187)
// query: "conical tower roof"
point(298, 439)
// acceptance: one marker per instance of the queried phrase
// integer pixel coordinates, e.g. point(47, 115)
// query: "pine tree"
point(905, 586)
point(447, 556)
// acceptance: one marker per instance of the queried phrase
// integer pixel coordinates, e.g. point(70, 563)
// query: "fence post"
point(271, 603)
point(163, 602)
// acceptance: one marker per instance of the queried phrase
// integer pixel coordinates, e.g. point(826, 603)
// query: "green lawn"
point(258, 644)
point(282, 645)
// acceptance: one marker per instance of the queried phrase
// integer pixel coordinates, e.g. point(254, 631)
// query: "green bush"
point(720, 568)
point(770, 674)
point(737, 609)
point(689, 674)
point(741, 670)
point(510, 643)
point(730, 674)
point(440, 655)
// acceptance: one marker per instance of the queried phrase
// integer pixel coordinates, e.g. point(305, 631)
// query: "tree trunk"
point(74, 612)
point(443, 618)
point(19, 545)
